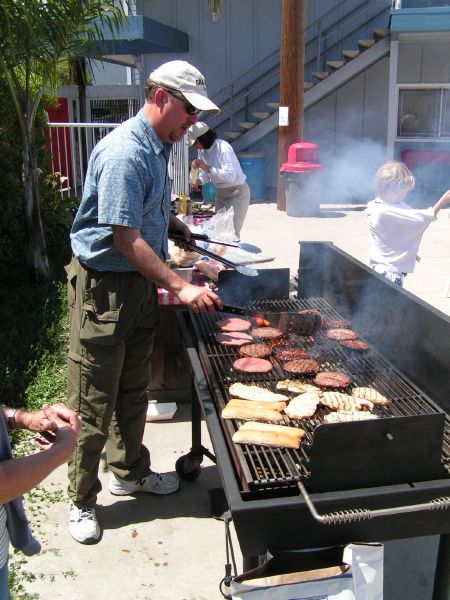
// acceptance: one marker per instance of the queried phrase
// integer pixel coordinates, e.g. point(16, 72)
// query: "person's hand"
point(200, 299)
point(196, 186)
point(61, 412)
point(199, 163)
point(42, 420)
point(59, 428)
point(60, 436)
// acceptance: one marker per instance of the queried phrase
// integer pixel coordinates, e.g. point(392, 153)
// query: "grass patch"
point(32, 342)
point(33, 357)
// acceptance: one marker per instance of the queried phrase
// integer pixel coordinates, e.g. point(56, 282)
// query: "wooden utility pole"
point(292, 61)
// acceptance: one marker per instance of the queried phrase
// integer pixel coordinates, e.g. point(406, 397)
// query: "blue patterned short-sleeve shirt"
point(126, 184)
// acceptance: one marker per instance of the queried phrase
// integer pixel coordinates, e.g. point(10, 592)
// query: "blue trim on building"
point(416, 20)
point(141, 35)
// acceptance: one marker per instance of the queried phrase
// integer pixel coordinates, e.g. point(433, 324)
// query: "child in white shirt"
point(396, 228)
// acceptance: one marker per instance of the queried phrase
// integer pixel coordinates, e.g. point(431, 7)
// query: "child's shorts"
point(397, 278)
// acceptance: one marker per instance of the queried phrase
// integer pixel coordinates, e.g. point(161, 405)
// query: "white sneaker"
point(154, 483)
point(83, 524)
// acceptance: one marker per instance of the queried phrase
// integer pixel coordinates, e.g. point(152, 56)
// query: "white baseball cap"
point(181, 76)
point(196, 131)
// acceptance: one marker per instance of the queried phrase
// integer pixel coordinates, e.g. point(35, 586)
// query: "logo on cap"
point(200, 81)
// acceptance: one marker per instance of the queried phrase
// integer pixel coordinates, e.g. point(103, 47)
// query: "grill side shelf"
point(384, 451)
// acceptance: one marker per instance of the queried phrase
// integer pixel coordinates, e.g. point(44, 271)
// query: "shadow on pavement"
point(192, 500)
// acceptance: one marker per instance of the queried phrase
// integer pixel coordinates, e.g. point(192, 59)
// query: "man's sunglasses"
point(189, 108)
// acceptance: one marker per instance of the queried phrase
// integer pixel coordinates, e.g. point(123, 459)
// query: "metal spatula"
point(287, 322)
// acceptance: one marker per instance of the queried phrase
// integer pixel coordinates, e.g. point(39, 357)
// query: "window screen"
point(419, 113)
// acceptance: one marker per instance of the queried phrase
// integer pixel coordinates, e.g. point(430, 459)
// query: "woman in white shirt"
point(396, 228)
point(217, 163)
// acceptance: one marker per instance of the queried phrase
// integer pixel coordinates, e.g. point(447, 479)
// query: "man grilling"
point(119, 243)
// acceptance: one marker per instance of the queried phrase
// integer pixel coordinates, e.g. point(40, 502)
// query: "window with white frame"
point(424, 113)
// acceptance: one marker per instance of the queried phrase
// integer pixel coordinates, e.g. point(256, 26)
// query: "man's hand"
point(45, 419)
point(59, 427)
point(200, 299)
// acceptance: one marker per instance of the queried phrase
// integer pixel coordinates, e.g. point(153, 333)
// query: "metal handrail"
point(335, 27)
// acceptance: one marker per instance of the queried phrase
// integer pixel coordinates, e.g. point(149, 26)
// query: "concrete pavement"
point(170, 548)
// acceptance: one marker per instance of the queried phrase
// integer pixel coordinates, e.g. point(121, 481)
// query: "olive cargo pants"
point(113, 317)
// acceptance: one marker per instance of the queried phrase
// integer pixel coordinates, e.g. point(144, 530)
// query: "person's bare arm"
point(443, 201)
point(131, 244)
point(19, 475)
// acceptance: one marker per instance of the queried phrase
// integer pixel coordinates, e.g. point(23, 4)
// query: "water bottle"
point(193, 176)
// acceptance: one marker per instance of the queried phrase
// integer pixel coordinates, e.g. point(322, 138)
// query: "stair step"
point(261, 115)
point(274, 105)
point(307, 85)
point(233, 134)
point(365, 44)
point(247, 124)
point(320, 74)
point(381, 32)
point(335, 64)
point(350, 54)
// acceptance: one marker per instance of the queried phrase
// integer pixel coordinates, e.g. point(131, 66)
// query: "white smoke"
point(350, 168)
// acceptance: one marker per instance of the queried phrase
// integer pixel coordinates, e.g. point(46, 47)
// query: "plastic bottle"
point(193, 176)
point(183, 203)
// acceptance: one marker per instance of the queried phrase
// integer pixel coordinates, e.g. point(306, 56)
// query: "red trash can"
point(303, 180)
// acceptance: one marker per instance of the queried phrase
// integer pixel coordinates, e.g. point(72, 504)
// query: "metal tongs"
point(202, 237)
point(243, 270)
point(288, 322)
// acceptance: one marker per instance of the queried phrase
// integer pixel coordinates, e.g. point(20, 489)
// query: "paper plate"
point(161, 411)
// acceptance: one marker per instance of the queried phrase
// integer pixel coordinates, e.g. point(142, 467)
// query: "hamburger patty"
point(302, 366)
point(266, 333)
point(285, 354)
point(252, 365)
point(342, 334)
point(256, 351)
point(233, 324)
point(333, 379)
point(339, 324)
point(354, 345)
point(235, 338)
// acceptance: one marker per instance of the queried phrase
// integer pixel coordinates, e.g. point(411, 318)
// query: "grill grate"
point(273, 471)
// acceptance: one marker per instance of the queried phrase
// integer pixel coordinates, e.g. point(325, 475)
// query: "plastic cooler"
point(254, 167)
point(209, 192)
point(303, 180)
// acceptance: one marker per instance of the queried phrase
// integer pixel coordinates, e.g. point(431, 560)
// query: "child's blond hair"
point(393, 176)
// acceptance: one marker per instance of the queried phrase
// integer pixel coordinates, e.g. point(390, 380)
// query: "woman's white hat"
point(196, 131)
point(181, 76)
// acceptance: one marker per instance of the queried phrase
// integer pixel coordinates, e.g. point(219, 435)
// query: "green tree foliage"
point(35, 35)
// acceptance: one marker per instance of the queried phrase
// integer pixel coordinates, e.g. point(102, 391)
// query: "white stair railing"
point(71, 144)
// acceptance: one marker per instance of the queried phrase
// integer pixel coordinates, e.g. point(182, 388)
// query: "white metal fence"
point(71, 145)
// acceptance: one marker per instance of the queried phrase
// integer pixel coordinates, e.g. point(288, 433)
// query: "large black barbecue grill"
point(359, 481)
point(331, 458)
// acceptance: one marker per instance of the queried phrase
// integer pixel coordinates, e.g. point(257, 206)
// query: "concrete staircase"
point(321, 84)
